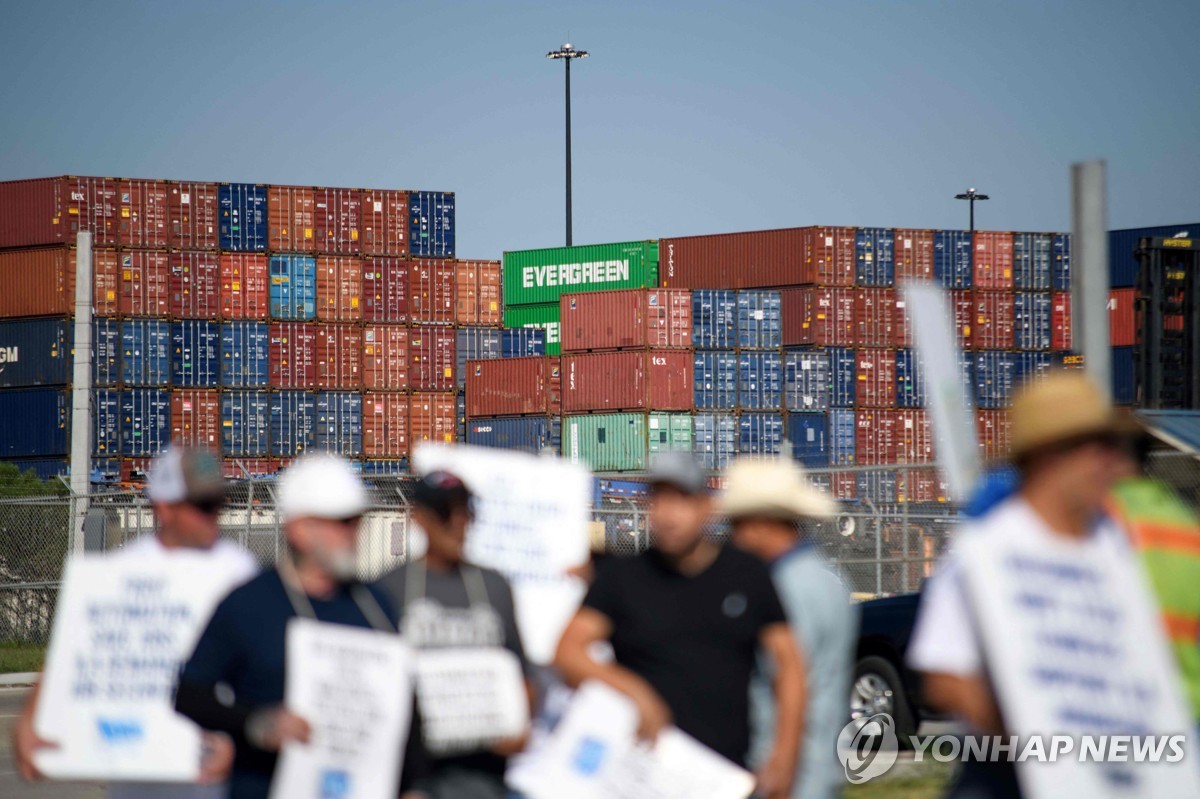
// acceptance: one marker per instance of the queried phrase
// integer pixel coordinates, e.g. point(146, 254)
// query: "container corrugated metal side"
point(631, 318)
point(1124, 376)
point(245, 354)
point(292, 353)
point(194, 285)
point(1031, 320)
point(249, 468)
point(914, 436)
point(995, 378)
point(106, 353)
point(431, 294)
point(913, 254)
point(635, 380)
point(881, 487)
point(474, 344)
point(843, 437)
point(336, 216)
point(759, 320)
point(875, 375)
point(962, 307)
point(196, 418)
point(715, 379)
point(37, 282)
point(807, 382)
point(293, 287)
point(385, 357)
point(145, 352)
point(383, 226)
point(477, 290)
point(539, 317)
point(245, 286)
point(910, 380)
point(829, 254)
point(760, 380)
point(1033, 261)
point(1061, 338)
point(1122, 319)
point(754, 259)
point(533, 277)
point(875, 317)
point(820, 316)
point(195, 354)
point(431, 224)
point(145, 287)
point(106, 422)
point(874, 254)
point(514, 387)
point(668, 432)
point(809, 437)
point(522, 342)
point(760, 433)
point(1031, 366)
point(1122, 262)
point(609, 442)
point(523, 433)
point(35, 352)
point(38, 422)
point(339, 423)
point(245, 424)
point(993, 260)
point(385, 425)
point(431, 358)
point(432, 417)
point(385, 290)
point(339, 288)
point(922, 486)
point(714, 319)
point(902, 320)
point(993, 328)
point(993, 427)
point(843, 373)
point(460, 415)
point(1061, 274)
point(192, 216)
point(291, 219)
point(242, 211)
point(53, 210)
point(142, 214)
point(876, 440)
point(716, 439)
point(145, 421)
point(106, 283)
point(339, 357)
point(952, 258)
point(293, 423)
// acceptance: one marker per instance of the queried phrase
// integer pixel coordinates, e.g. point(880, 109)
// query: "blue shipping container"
point(995, 378)
point(339, 423)
point(1032, 320)
point(716, 440)
point(106, 422)
point(1061, 276)
point(293, 287)
point(243, 210)
point(1032, 261)
point(431, 224)
point(715, 380)
point(145, 421)
point(460, 416)
point(526, 433)
point(195, 354)
point(475, 344)
point(1122, 263)
point(604, 488)
point(245, 420)
point(874, 257)
point(385, 468)
point(293, 423)
point(760, 433)
point(843, 434)
point(36, 422)
point(760, 380)
point(806, 380)
point(714, 319)
point(522, 342)
point(759, 320)
point(878, 487)
point(1032, 366)
point(953, 258)
point(843, 374)
point(809, 436)
point(244, 354)
point(44, 468)
point(145, 352)
point(910, 378)
point(1124, 376)
point(106, 353)
point(35, 352)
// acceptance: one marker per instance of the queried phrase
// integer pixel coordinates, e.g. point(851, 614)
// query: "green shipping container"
point(622, 442)
point(543, 317)
point(538, 277)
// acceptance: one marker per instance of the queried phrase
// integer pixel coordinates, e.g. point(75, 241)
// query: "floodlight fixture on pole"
point(971, 195)
point(567, 53)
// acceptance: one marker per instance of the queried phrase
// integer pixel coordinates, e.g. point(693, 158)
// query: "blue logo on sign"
point(335, 784)
point(120, 731)
point(589, 756)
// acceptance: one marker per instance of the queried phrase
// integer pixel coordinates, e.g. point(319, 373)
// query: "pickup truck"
point(882, 682)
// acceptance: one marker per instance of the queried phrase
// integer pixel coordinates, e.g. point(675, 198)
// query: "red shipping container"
point(196, 418)
point(241, 468)
point(133, 471)
point(385, 290)
point(478, 288)
point(921, 485)
point(875, 437)
point(431, 356)
point(385, 425)
point(145, 284)
point(755, 259)
point(843, 485)
point(875, 315)
point(37, 282)
point(431, 297)
point(914, 436)
point(385, 357)
point(830, 255)
point(962, 305)
point(53, 210)
point(993, 434)
point(635, 318)
point(819, 316)
point(195, 285)
point(142, 207)
point(1060, 321)
point(514, 387)
point(913, 254)
point(337, 218)
point(292, 354)
point(106, 283)
point(291, 219)
point(432, 417)
point(339, 357)
point(1122, 317)
point(993, 260)
point(627, 381)
point(245, 286)
point(339, 288)
point(875, 378)
point(192, 216)
point(384, 224)
point(902, 322)
point(994, 327)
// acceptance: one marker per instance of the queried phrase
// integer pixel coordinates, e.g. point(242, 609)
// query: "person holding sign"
point(471, 667)
point(186, 491)
point(234, 681)
point(686, 621)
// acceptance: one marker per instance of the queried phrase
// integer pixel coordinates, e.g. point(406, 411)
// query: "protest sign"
point(121, 630)
point(594, 754)
point(470, 698)
point(531, 516)
point(354, 687)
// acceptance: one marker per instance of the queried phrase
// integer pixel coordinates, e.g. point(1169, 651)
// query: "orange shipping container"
point(53, 210)
point(1122, 318)
point(514, 387)
point(245, 284)
point(339, 357)
point(339, 288)
point(142, 208)
point(633, 318)
point(431, 297)
point(336, 219)
point(477, 285)
point(993, 260)
point(106, 283)
point(196, 418)
point(192, 216)
point(195, 285)
point(385, 290)
point(384, 226)
point(385, 357)
point(385, 425)
point(432, 417)
point(913, 254)
point(962, 306)
point(830, 255)
point(145, 284)
point(291, 219)
point(431, 358)
point(752, 259)
point(37, 282)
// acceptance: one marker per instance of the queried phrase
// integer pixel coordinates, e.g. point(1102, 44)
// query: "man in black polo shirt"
point(686, 621)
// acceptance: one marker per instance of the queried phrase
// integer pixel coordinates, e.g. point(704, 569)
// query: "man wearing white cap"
point(186, 491)
point(234, 680)
point(767, 502)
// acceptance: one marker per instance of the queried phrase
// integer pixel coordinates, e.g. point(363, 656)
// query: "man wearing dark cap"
point(444, 601)
point(686, 621)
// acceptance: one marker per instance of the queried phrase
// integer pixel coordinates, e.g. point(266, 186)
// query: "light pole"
point(568, 53)
point(972, 195)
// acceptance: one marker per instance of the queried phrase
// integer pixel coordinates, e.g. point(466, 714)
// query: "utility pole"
point(567, 53)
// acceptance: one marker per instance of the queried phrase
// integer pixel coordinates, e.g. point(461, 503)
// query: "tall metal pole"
point(568, 61)
point(1089, 271)
point(81, 390)
point(972, 216)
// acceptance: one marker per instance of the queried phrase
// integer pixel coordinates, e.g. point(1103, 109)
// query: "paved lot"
point(11, 786)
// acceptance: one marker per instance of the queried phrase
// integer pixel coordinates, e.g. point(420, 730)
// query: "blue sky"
point(690, 117)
